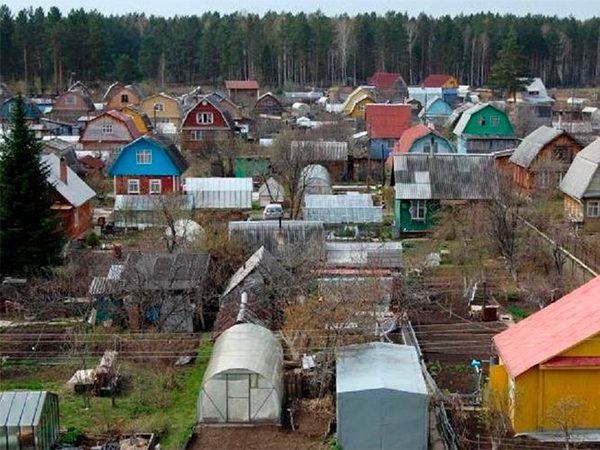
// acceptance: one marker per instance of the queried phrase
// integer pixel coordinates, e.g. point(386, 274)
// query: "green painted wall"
point(403, 220)
point(250, 167)
point(475, 125)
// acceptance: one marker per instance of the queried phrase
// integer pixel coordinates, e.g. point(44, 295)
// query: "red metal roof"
point(384, 80)
point(387, 121)
point(435, 80)
point(549, 332)
point(241, 84)
point(409, 137)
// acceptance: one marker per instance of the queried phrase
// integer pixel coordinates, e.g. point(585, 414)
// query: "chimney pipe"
point(63, 170)
point(243, 306)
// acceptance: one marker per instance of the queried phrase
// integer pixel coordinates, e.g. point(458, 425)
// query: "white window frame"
point(593, 208)
point(159, 107)
point(143, 156)
point(133, 182)
point(495, 121)
point(70, 99)
point(205, 118)
point(152, 183)
point(197, 135)
point(418, 210)
point(543, 179)
point(107, 128)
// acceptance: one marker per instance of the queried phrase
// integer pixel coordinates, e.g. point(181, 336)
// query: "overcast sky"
point(577, 8)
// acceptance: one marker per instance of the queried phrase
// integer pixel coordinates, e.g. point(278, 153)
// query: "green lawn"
point(161, 400)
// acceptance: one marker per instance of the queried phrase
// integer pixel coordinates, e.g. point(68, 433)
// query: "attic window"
point(204, 118)
point(495, 121)
point(107, 128)
point(143, 157)
point(159, 107)
point(70, 100)
point(482, 121)
point(124, 98)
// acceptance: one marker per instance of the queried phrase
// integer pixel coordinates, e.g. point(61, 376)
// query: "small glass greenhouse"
point(243, 382)
point(350, 208)
point(28, 420)
point(315, 179)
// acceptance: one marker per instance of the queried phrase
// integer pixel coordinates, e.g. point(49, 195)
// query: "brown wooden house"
point(118, 95)
point(72, 104)
point(268, 104)
point(242, 92)
point(72, 197)
point(542, 159)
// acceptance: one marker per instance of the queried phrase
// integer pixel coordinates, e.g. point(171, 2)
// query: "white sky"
point(562, 8)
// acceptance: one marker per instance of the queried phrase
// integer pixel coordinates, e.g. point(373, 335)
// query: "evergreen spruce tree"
point(508, 68)
point(30, 239)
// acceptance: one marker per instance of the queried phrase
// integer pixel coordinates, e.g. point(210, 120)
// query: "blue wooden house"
point(33, 114)
point(436, 111)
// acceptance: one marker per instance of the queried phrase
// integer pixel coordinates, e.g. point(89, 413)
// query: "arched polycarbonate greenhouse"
point(243, 382)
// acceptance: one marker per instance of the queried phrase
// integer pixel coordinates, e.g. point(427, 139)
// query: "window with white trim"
point(70, 100)
point(495, 121)
point(196, 135)
point(107, 128)
point(593, 208)
point(159, 107)
point(143, 156)
point(133, 186)
point(204, 118)
point(155, 186)
point(543, 179)
point(418, 209)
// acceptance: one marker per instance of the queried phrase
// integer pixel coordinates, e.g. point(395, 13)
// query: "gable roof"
point(582, 171)
point(385, 80)
point(435, 80)
point(241, 84)
point(436, 103)
point(84, 93)
point(353, 97)
point(169, 148)
point(532, 144)
point(445, 177)
point(215, 101)
point(319, 151)
point(387, 121)
point(552, 330)
point(75, 191)
point(410, 136)
point(127, 120)
point(466, 116)
point(134, 87)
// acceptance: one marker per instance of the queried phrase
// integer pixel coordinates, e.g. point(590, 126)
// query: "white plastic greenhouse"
point(315, 179)
point(350, 208)
point(222, 193)
point(243, 382)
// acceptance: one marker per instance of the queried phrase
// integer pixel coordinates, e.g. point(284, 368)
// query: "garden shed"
point(220, 193)
point(243, 382)
point(29, 419)
point(315, 179)
point(382, 400)
point(349, 208)
point(271, 191)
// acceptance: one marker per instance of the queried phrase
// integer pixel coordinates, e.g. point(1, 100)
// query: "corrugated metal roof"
point(247, 347)
point(435, 80)
point(75, 190)
point(379, 365)
point(319, 150)
point(582, 171)
point(260, 258)
point(445, 177)
point(385, 80)
point(387, 121)
point(457, 113)
point(364, 254)
point(548, 333)
point(466, 116)
point(532, 144)
point(241, 84)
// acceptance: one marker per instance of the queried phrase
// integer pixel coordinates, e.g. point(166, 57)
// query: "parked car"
point(273, 211)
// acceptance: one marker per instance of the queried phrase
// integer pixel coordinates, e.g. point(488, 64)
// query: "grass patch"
point(161, 400)
point(517, 313)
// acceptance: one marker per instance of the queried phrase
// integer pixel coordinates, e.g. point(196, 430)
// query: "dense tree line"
point(283, 49)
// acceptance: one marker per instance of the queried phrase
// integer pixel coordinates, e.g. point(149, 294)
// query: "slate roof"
point(170, 149)
point(435, 80)
point(466, 117)
point(532, 144)
point(445, 177)
point(548, 333)
point(385, 80)
point(319, 150)
point(62, 149)
point(387, 121)
point(241, 84)
point(85, 95)
point(75, 191)
point(581, 173)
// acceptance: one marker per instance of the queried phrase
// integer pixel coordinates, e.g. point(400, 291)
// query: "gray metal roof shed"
point(582, 180)
point(28, 419)
point(382, 400)
point(243, 382)
point(532, 144)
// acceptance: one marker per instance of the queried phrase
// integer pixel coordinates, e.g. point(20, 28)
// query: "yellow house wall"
point(171, 112)
point(359, 108)
point(137, 119)
point(451, 83)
